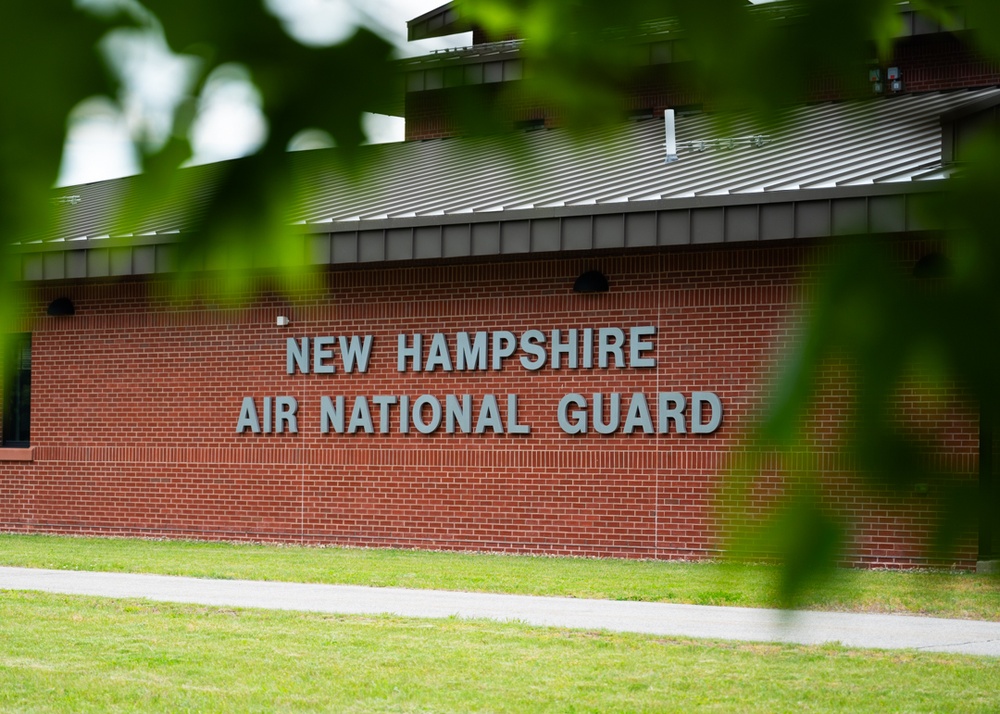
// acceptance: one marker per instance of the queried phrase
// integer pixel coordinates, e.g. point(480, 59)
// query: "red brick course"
point(135, 402)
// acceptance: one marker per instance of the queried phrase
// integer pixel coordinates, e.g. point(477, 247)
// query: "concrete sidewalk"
point(728, 623)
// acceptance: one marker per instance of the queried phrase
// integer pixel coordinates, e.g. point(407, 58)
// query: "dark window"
point(17, 391)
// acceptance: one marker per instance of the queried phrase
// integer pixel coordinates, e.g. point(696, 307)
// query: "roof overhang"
point(821, 171)
point(798, 215)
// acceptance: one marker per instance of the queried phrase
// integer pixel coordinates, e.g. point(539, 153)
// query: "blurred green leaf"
point(50, 62)
point(875, 328)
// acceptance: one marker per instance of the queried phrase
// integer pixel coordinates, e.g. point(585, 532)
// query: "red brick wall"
point(943, 61)
point(136, 400)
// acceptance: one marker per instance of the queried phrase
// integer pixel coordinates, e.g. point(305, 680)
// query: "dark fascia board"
point(784, 216)
point(793, 216)
point(439, 22)
point(914, 23)
point(954, 118)
point(476, 54)
point(973, 107)
point(667, 204)
point(667, 224)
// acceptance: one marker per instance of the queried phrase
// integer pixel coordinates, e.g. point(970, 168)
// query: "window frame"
point(16, 414)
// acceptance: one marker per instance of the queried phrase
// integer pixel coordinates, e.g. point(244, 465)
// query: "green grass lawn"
point(945, 594)
point(76, 654)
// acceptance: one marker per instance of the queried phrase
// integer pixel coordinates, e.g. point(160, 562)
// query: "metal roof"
point(535, 191)
point(895, 139)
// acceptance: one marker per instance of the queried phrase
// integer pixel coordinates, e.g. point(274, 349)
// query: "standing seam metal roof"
point(889, 139)
point(870, 148)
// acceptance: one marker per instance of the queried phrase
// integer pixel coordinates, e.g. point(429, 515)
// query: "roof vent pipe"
point(668, 126)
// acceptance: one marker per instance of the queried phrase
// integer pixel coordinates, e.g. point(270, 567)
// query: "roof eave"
point(796, 215)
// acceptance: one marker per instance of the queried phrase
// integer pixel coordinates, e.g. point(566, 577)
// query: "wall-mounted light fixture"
point(591, 281)
point(283, 321)
point(61, 307)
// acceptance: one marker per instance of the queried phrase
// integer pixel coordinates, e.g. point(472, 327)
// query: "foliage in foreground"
point(74, 654)
point(761, 57)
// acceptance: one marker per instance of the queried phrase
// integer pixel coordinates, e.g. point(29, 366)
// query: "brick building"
point(528, 342)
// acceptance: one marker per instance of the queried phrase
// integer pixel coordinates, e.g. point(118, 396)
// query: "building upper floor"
point(505, 79)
